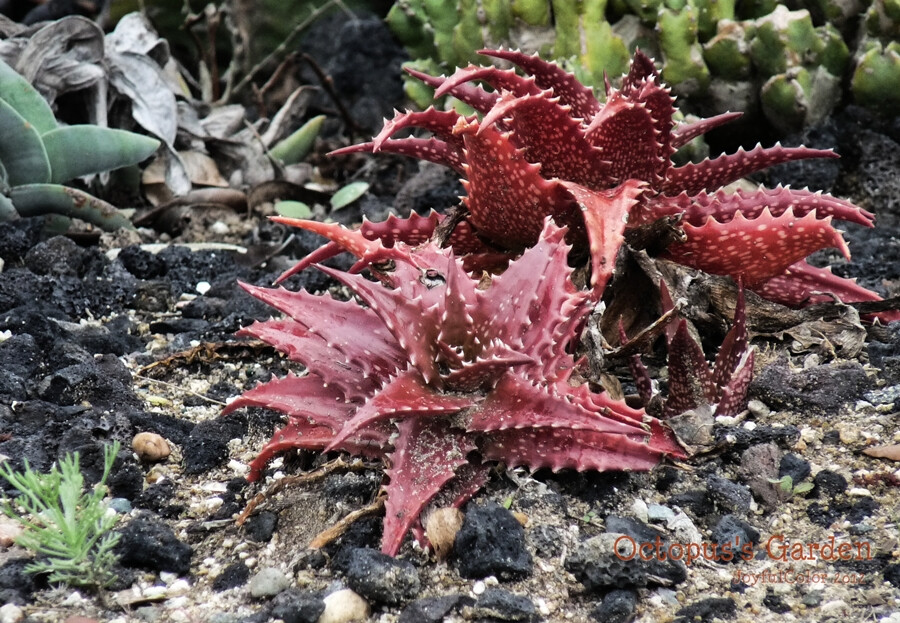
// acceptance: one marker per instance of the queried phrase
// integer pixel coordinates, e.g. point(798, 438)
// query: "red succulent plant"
point(440, 374)
point(692, 383)
point(546, 146)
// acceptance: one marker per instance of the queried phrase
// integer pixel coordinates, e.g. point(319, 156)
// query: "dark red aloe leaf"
point(415, 329)
point(802, 284)
point(711, 174)
point(304, 397)
point(507, 197)
point(733, 347)
point(551, 76)
point(426, 455)
point(402, 397)
point(563, 448)
point(755, 250)
point(483, 371)
point(685, 133)
point(499, 79)
point(296, 435)
point(690, 381)
point(522, 307)
point(319, 357)
point(459, 303)
point(625, 132)
point(301, 434)
point(549, 135)
point(733, 397)
point(438, 122)
point(638, 370)
point(723, 205)
point(474, 96)
point(518, 403)
point(605, 215)
point(351, 331)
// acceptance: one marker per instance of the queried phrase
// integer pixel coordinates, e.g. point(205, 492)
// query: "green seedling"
point(786, 485)
point(68, 529)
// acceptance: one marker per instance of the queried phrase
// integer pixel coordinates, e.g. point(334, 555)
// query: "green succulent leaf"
point(7, 209)
point(297, 146)
point(25, 100)
point(348, 194)
point(79, 150)
point(293, 209)
point(21, 151)
point(41, 199)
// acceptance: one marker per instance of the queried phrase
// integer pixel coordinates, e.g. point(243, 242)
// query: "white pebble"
point(168, 577)
point(344, 606)
point(219, 228)
point(11, 613)
point(478, 587)
point(179, 587)
point(202, 287)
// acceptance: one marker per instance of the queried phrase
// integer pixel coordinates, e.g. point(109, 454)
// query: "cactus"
point(876, 75)
point(684, 67)
point(37, 155)
point(876, 79)
point(755, 51)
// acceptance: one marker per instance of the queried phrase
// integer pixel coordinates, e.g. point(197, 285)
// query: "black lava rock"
point(829, 483)
point(433, 609)
point(892, 574)
point(736, 439)
point(618, 606)
point(16, 584)
point(207, 445)
point(822, 389)
point(794, 466)
point(707, 610)
point(730, 496)
point(234, 575)
point(497, 604)
point(140, 263)
point(297, 606)
point(261, 527)
point(634, 528)
point(309, 559)
point(735, 538)
point(696, 500)
point(56, 256)
point(492, 542)
point(597, 565)
point(380, 578)
point(147, 543)
point(546, 540)
point(775, 603)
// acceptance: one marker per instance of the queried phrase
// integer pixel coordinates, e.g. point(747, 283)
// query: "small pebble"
point(344, 606)
point(202, 287)
point(659, 513)
point(758, 409)
point(834, 607)
point(10, 530)
point(640, 510)
point(11, 613)
point(267, 582)
point(179, 587)
point(150, 447)
point(441, 527)
point(478, 587)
